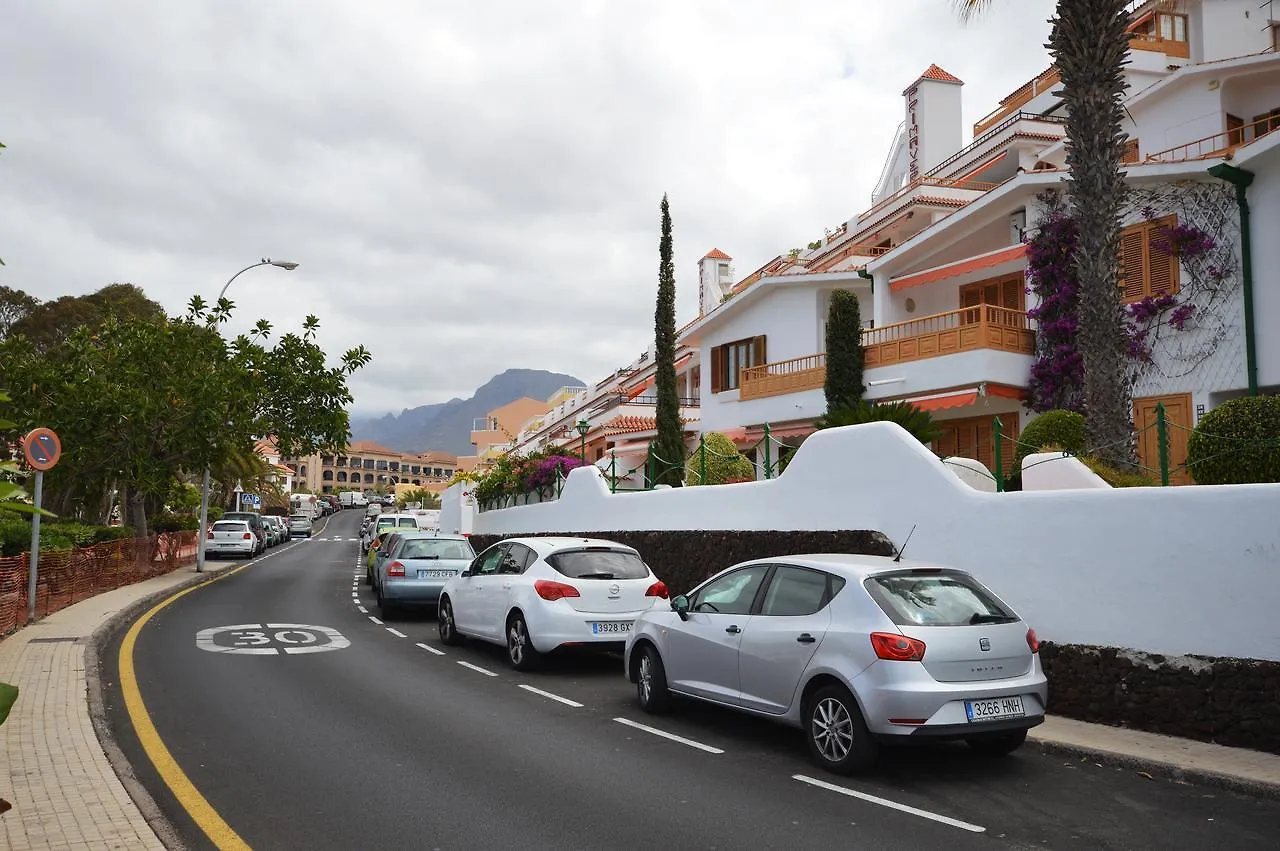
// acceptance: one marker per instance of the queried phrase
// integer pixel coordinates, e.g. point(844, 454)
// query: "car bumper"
point(213, 550)
point(555, 627)
point(895, 692)
point(412, 591)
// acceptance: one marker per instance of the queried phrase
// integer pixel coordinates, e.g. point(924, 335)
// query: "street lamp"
point(583, 427)
point(204, 487)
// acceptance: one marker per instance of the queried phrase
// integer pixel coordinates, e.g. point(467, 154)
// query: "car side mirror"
point(680, 605)
point(466, 574)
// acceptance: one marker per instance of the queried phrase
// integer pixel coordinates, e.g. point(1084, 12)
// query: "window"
point(798, 591)
point(1130, 154)
point(368, 478)
point(355, 462)
point(1266, 123)
point(368, 463)
point(326, 460)
point(415, 469)
point(517, 559)
point(489, 560)
point(599, 564)
point(941, 598)
point(731, 594)
point(1147, 267)
point(342, 475)
point(395, 466)
point(327, 475)
point(342, 461)
point(1008, 292)
point(728, 361)
point(724, 271)
point(1171, 27)
point(435, 548)
point(1275, 37)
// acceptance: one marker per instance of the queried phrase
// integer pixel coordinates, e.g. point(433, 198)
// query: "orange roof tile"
point(717, 254)
point(370, 446)
point(626, 424)
point(933, 72)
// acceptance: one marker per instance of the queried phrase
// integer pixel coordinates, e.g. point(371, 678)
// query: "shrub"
point(724, 463)
point(1063, 430)
point(919, 424)
point(546, 472)
point(170, 522)
point(1237, 443)
point(1117, 478)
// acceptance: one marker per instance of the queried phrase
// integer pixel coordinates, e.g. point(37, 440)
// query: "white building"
point(938, 260)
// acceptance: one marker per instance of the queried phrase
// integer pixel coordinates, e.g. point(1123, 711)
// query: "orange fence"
point(69, 576)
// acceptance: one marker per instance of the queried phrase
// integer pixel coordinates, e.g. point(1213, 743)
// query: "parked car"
point(300, 525)
point(416, 567)
point(537, 594)
point(280, 527)
point(382, 523)
point(254, 519)
point(855, 650)
point(230, 538)
point(378, 551)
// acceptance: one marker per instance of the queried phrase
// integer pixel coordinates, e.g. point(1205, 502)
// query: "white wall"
point(1264, 205)
point(1166, 570)
point(1180, 114)
point(1222, 29)
point(939, 123)
point(1055, 471)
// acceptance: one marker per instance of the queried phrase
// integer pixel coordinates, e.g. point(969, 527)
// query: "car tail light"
point(248, 536)
point(1032, 641)
point(897, 648)
point(552, 591)
point(658, 589)
point(395, 569)
point(210, 535)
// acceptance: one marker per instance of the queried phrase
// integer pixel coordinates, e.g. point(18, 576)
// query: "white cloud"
point(468, 186)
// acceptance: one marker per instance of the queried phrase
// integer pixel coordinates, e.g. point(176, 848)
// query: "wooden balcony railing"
point(1028, 92)
point(1156, 44)
point(981, 327)
point(942, 182)
point(1217, 145)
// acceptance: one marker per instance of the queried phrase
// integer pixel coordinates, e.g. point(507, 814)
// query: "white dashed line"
point(477, 668)
point(397, 633)
point(355, 594)
point(430, 649)
point(363, 610)
point(566, 701)
point(672, 736)
point(375, 620)
point(893, 805)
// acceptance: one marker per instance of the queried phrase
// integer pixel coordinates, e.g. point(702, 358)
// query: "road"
point(394, 741)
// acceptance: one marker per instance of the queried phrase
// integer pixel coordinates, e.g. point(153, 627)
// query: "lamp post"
point(583, 427)
point(204, 485)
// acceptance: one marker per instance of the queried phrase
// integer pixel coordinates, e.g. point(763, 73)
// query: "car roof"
point(394, 516)
point(430, 535)
point(545, 545)
point(855, 566)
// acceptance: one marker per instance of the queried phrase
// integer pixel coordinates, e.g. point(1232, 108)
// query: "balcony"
point(1219, 144)
point(1026, 93)
point(969, 329)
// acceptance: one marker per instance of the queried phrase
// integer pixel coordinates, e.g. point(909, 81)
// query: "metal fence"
point(69, 576)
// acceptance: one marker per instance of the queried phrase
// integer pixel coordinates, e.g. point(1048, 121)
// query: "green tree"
point(15, 305)
point(429, 499)
point(668, 447)
point(719, 456)
point(1090, 47)
point(919, 424)
point(52, 323)
point(846, 358)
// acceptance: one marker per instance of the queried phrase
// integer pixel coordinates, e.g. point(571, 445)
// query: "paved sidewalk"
point(64, 791)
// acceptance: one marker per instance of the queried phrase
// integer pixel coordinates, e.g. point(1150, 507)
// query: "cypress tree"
point(845, 356)
point(668, 447)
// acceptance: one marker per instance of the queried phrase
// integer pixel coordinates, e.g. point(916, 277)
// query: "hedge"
point(1237, 443)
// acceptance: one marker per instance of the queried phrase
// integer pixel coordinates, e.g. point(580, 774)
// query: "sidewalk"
point(56, 774)
point(66, 795)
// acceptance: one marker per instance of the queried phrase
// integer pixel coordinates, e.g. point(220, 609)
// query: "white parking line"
point(566, 701)
point(672, 736)
point(477, 668)
point(355, 594)
point(893, 805)
point(375, 620)
point(397, 633)
point(363, 610)
point(430, 649)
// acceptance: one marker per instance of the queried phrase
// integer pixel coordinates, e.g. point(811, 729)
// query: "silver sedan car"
point(855, 650)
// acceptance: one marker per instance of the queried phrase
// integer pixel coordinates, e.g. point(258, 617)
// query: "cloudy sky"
point(468, 186)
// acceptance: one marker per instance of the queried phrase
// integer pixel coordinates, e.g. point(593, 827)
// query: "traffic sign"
point(42, 448)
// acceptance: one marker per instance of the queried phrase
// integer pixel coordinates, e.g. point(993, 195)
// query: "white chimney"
point(715, 280)
point(935, 129)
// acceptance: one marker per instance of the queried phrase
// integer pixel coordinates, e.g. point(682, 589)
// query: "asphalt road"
point(394, 741)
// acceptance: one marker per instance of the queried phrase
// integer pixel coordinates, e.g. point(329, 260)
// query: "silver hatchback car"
point(855, 650)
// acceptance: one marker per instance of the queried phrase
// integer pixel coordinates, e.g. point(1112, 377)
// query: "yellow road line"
point(188, 796)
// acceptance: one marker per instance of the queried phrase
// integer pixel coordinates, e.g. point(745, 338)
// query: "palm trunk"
point(1090, 48)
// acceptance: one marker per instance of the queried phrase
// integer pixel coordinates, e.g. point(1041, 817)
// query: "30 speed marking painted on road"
point(272, 639)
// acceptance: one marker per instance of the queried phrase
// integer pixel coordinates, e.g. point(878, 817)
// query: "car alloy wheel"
point(446, 627)
point(836, 732)
point(520, 650)
point(832, 729)
point(651, 682)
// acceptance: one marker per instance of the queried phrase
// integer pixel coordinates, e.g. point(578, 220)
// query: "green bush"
point(169, 522)
point(724, 463)
point(1117, 478)
point(1062, 430)
point(1237, 443)
point(919, 424)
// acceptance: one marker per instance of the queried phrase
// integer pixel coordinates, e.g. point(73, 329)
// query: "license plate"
point(993, 709)
point(607, 627)
point(434, 574)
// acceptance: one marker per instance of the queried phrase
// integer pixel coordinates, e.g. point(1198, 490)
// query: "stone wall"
point(1226, 701)
point(683, 559)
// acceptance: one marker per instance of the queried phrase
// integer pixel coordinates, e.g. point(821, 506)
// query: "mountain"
point(446, 426)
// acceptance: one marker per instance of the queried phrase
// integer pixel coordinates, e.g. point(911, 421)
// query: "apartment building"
point(939, 259)
point(366, 466)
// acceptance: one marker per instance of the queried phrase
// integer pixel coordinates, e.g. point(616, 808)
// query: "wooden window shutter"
point(758, 353)
point(1162, 264)
point(1133, 243)
point(717, 369)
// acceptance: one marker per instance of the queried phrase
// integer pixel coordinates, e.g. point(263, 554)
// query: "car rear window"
point(386, 523)
point(230, 526)
point(297, 517)
point(436, 548)
point(407, 523)
point(929, 598)
point(599, 564)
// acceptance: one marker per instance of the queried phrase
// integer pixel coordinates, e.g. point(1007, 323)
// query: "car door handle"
point(732, 629)
point(805, 638)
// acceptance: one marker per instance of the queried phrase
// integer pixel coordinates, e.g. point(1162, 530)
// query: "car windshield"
point(436, 548)
point(936, 598)
point(599, 564)
point(230, 526)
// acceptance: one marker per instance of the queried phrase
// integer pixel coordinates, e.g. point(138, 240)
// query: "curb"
point(1159, 769)
point(102, 636)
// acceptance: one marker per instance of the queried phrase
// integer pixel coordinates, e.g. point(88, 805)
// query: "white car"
point(231, 537)
point(538, 594)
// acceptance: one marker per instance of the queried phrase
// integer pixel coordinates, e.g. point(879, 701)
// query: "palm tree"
point(244, 466)
point(1090, 48)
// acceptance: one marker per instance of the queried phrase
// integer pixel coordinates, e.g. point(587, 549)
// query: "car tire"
point(389, 612)
point(998, 744)
point(445, 625)
point(651, 681)
point(520, 650)
point(837, 735)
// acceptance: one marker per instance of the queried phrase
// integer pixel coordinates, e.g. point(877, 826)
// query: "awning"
point(960, 267)
point(632, 448)
point(943, 401)
point(781, 432)
point(983, 167)
point(639, 389)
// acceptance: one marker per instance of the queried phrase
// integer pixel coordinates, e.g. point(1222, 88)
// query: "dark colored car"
point(254, 519)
